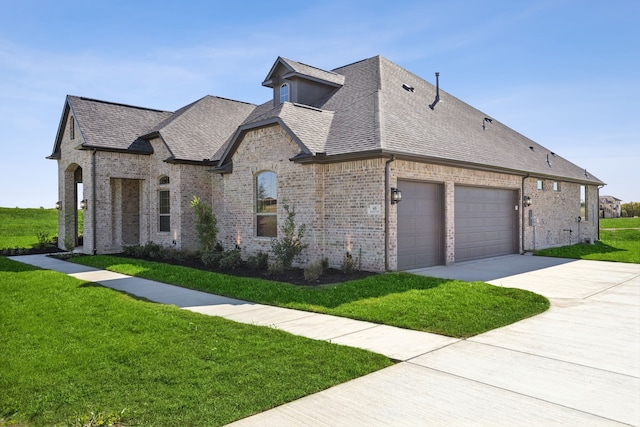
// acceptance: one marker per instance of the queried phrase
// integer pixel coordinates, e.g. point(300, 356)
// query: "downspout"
point(93, 200)
point(522, 211)
point(387, 200)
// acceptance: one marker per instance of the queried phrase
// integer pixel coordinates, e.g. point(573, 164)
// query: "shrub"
point(211, 258)
point(206, 224)
point(44, 239)
point(313, 271)
point(230, 260)
point(69, 243)
point(348, 263)
point(289, 246)
point(259, 261)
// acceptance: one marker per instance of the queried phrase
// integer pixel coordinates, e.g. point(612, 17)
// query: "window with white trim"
point(284, 92)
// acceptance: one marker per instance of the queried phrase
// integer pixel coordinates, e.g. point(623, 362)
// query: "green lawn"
point(69, 348)
point(619, 241)
point(619, 222)
point(19, 227)
point(446, 307)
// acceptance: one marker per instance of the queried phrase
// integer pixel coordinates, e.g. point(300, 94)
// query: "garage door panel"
point(420, 225)
point(485, 223)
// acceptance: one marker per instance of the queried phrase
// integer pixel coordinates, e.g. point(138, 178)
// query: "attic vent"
point(486, 120)
point(407, 87)
point(531, 148)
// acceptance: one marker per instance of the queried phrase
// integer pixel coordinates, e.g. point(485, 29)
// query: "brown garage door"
point(486, 222)
point(420, 225)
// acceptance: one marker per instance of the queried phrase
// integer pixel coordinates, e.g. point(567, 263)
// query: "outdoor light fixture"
point(58, 205)
point(83, 204)
point(526, 201)
point(396, 195)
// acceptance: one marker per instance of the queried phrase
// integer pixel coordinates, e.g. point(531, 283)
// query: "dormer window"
point(284, 92)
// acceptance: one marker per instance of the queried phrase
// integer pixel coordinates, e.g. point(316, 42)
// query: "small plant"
point(313, 271)
point(259, 261)
point(69, 243)
point(206, 224)
point(100, 419)
point(289, 247)
point(348, 265)
point(44, 239)
point(275, 267)
point(211, 258)
point(230, 260)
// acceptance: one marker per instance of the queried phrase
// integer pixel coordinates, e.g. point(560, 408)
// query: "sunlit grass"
point(69, 348)
point(447, 307)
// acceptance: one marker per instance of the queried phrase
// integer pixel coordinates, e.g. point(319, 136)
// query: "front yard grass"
point(447, 307)
point(69, 348)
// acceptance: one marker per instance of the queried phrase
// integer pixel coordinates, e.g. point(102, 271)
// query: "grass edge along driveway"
point(446, 307)
point(70, 348)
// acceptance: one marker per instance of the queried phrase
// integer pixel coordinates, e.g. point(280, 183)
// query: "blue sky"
point(565, 73)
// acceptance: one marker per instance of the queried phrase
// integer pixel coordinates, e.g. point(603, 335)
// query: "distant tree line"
point(630, 209)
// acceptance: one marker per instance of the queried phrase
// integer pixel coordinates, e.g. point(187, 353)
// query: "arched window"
point(266, 204)
point(164, 206)
point(284, 92)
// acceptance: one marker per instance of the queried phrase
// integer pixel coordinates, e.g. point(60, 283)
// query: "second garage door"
point(486, 222)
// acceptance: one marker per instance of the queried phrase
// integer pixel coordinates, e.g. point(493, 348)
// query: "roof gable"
point(197, 131)
point(288, 69)
point(109, 126)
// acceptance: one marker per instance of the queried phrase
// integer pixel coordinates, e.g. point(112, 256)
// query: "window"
point(284, 92)
point(583, 203)
point(72, 128)
point(164, 210)
point(164, 206)
point(266, 205)
point(540, 184)
point(556, 186)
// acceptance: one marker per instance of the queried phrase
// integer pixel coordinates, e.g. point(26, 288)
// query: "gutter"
point(387, 201)
point(93, 200)
point(522, 212)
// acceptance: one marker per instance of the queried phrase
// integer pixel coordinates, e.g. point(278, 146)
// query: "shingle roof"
point(113, 126)
point(299, 69)
point(371, 113)
point(199, 129)
point(374, 113)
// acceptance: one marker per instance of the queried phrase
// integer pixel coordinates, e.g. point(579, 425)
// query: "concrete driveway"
point(576, 364)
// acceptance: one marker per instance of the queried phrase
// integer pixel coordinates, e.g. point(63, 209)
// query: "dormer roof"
point(288, 69)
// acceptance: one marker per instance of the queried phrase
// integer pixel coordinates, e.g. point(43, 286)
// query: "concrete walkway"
point(576, 364)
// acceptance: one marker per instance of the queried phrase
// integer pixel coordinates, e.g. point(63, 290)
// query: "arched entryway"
point(72, 217)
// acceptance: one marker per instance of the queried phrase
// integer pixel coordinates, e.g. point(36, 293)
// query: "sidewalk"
point(576, 364)
point(396, 343)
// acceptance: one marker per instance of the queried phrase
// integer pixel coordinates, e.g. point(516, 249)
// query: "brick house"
point(340, 146)
point(610, 207)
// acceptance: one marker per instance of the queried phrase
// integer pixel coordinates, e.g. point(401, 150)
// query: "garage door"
point(420, 225)
point(486, 222)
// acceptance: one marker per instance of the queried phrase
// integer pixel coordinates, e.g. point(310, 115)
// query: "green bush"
point(259, 261)
point(289, 247)
point(348, 263)
point(206, 225)
point(313, 271)
point(230, 260)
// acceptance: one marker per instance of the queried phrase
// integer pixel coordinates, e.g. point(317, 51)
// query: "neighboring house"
point(610, 207)
point(340, 146)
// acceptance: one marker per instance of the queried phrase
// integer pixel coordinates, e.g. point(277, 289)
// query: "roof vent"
point(486, 120)
point(531, 148)
point(435, 101)
point(407, 87)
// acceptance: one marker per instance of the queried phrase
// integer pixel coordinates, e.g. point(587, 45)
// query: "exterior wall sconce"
point(83, 204)
point(58, 205)
point(526, 201)
point(396, 195)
